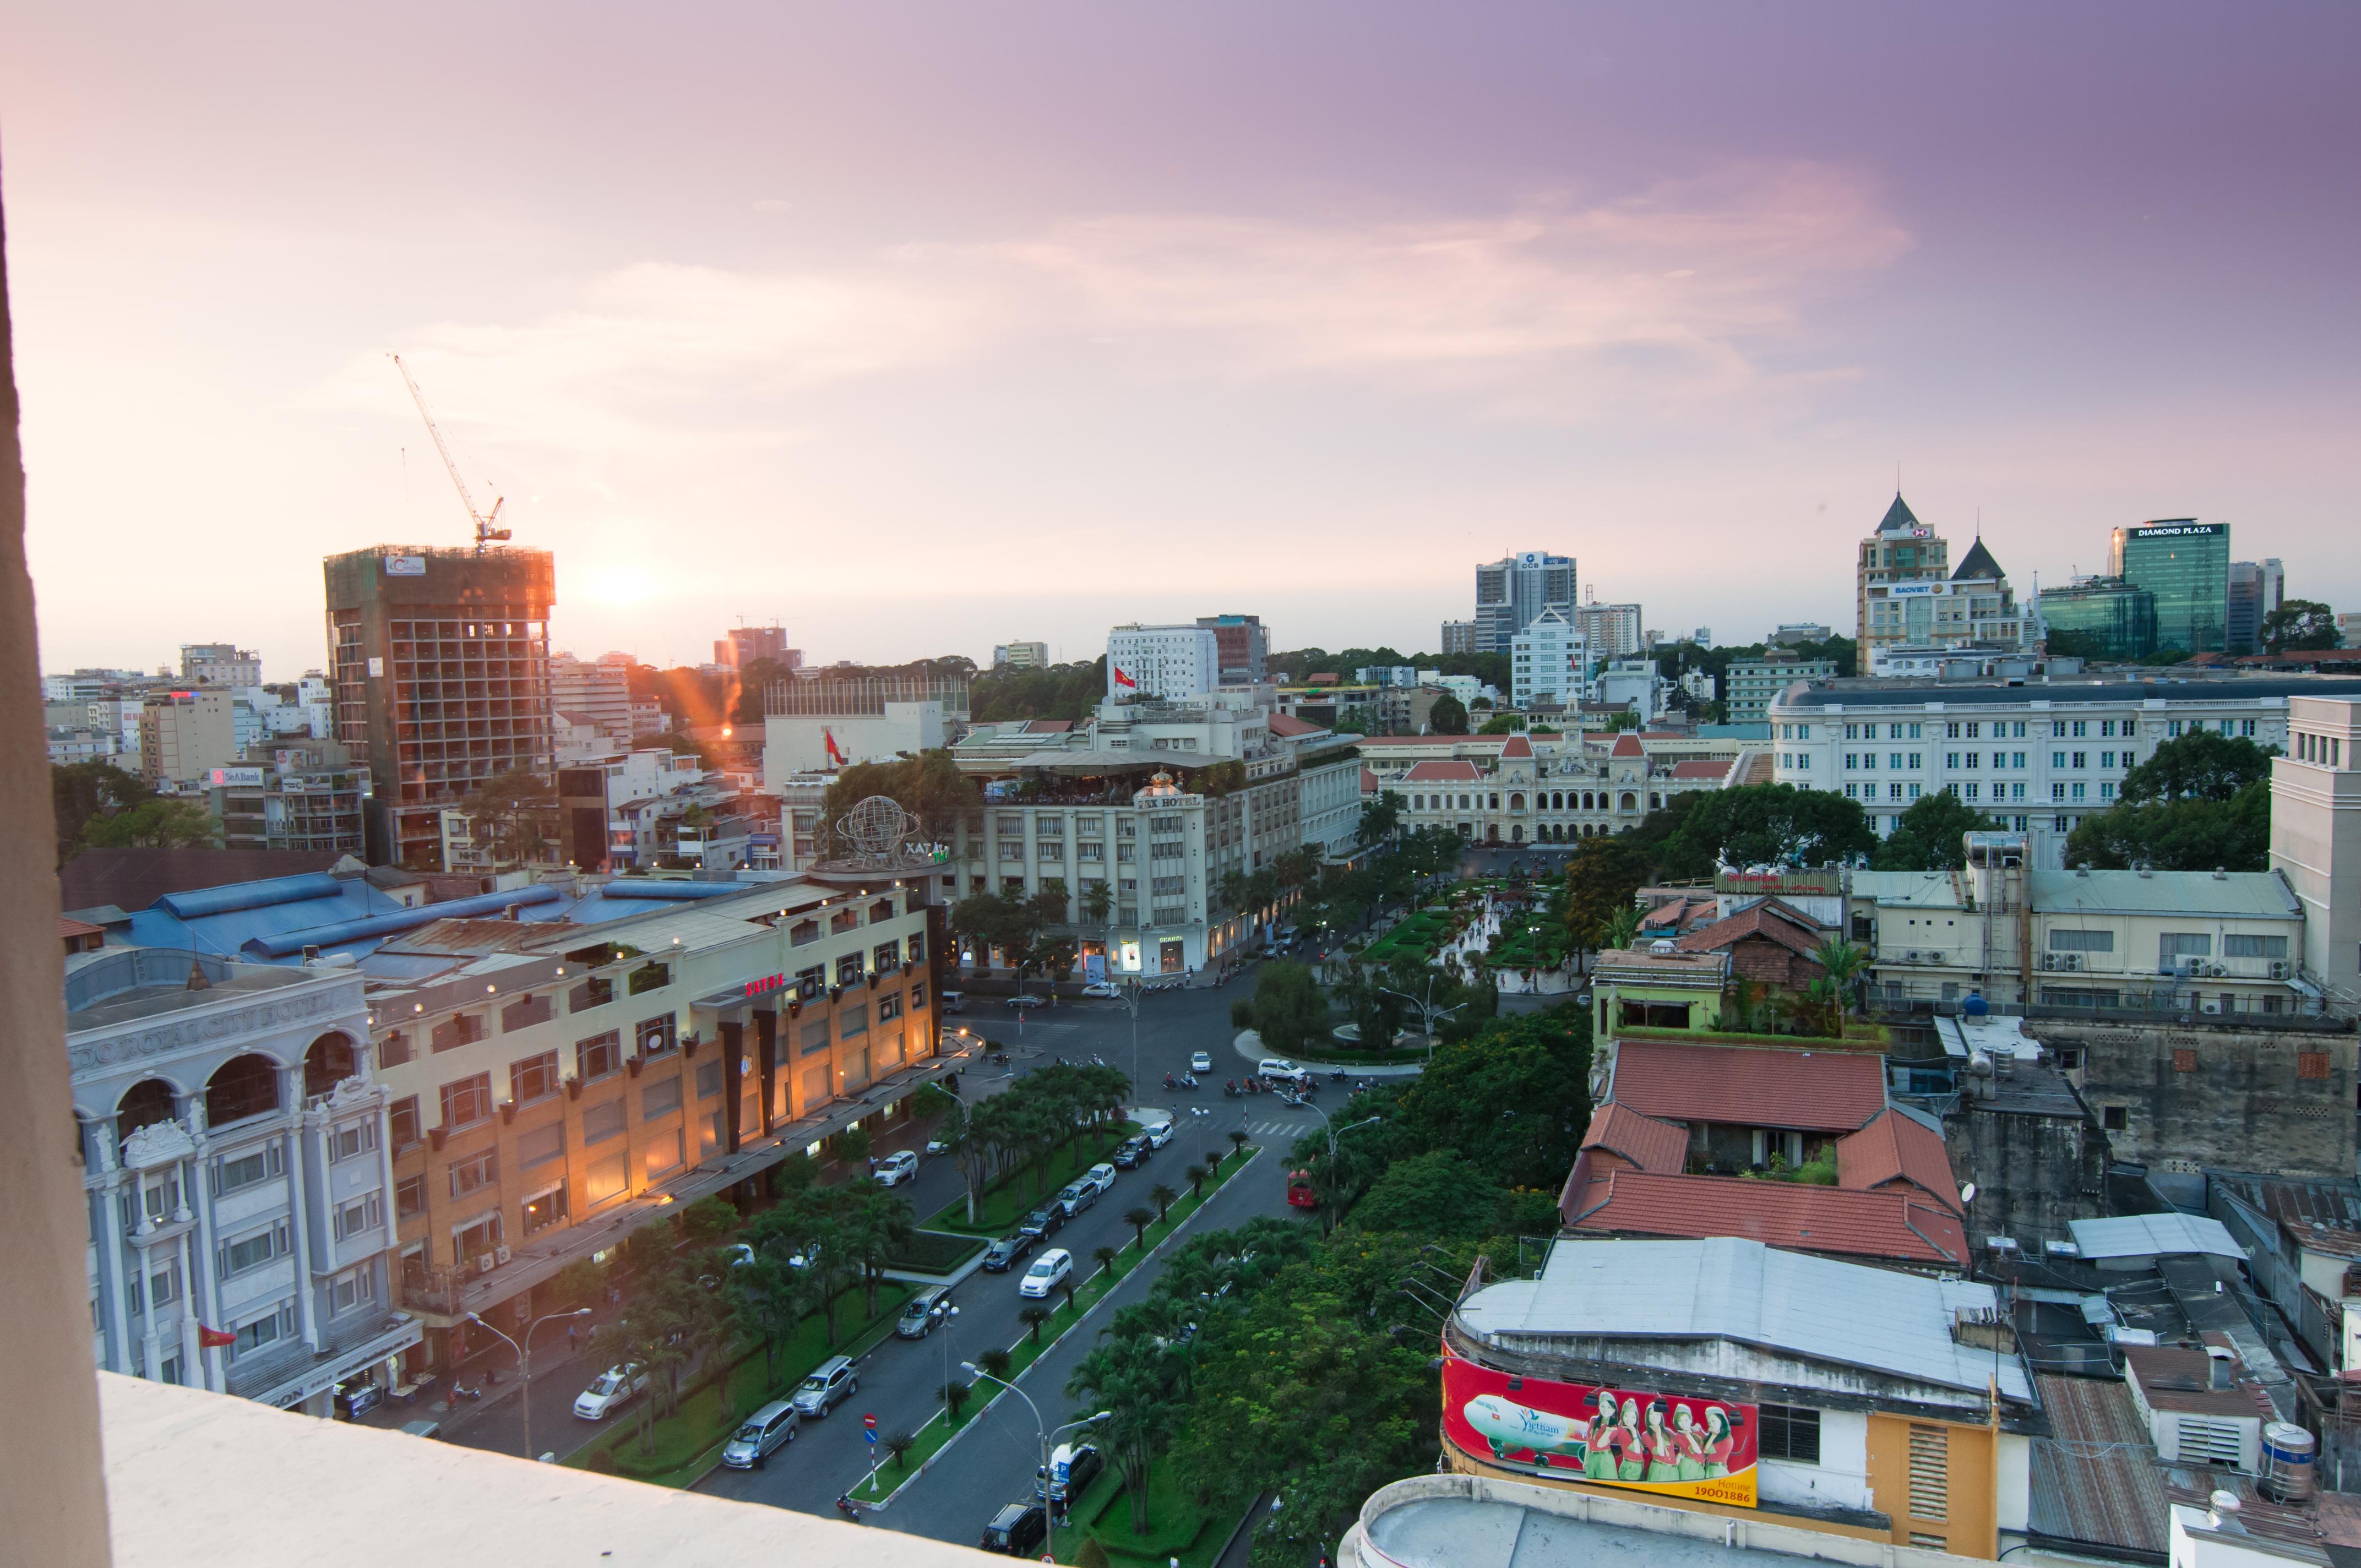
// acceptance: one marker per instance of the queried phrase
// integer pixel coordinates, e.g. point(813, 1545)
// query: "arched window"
point(147, 1102)
point(1557, 800)
point(1516, 801)
point(1631, 801)
point(328, 1063)
point(1585, 801)
point(1517, 834)
point(243, 1086)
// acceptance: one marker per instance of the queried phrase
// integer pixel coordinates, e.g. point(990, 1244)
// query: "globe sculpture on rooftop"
point(876, 830)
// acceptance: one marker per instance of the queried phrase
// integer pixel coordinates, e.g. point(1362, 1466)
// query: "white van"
point(1048, 1272)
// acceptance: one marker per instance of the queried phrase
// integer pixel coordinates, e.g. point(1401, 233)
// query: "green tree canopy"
point(1930, 836)
point(1438, 1193)
point(1500, 724)
point(166, 823)
point(1602, 877)
point(928, 787)
point(1448, 715)
point(79, 791)
point(2300, 626)
point(1289, 1009)
point(2203, 800)
point(512, 815)
point(1772, 824)
point(1513, 1097)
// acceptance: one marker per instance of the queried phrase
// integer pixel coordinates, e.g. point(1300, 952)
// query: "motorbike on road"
point(1230, 1088)
point(848, 1508)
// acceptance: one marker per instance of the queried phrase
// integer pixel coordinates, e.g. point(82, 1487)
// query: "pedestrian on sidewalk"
point(573, 1339)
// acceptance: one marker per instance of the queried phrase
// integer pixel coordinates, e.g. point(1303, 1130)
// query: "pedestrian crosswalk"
point(1278, 1129)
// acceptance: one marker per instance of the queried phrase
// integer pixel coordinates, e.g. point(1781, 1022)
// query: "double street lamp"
point(1049, 1505)
point(1428, 1013)
point(525, 1361)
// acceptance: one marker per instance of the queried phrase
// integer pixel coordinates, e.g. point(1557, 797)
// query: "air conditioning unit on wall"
point(2279, 968)
point(486, 1262)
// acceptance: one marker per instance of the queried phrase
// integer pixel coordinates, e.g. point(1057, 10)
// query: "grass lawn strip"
point(937, 1434)
point(1001, 1205)
point(934, 1251)
point(689, 1443)
point(1176, 1526)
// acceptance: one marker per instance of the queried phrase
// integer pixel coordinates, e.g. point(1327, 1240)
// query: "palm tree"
point(898, 1444)
point(1213, 1159)
point(1129, 1378)
point(1623, 928)
point(1105, 1257)
point(1238, 1140)
point(955, 1395)
point(995, 1360)
point(1843, 961)
point(1139, 1217)
point(1196, 1174)
point(1033, 1317)
point(1163, 1196)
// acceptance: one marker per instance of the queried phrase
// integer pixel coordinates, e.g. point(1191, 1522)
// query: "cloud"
point(1558, 309)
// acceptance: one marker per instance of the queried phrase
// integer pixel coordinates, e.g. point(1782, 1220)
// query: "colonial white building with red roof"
point(1544, 788)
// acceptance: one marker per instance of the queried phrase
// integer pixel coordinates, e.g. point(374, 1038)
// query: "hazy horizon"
point(922, 329)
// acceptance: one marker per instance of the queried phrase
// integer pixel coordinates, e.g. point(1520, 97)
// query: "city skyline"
point(1405, 294)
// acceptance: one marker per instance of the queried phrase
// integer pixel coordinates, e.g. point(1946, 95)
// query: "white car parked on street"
point(614, 1385)
point(896, 1167)
point(1048, 1272)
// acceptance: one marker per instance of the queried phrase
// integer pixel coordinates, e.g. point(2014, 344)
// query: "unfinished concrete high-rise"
point(441, 664)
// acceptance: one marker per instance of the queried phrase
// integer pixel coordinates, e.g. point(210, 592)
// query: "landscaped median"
point(940, 1429)
point(714, 1401)
point(1178, 1529)
point(1009, 1200)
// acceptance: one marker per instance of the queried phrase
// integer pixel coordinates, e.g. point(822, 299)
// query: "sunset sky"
point(923, 327)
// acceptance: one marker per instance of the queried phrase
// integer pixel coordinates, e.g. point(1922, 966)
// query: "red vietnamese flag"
point(215, 1339)
point(1121, 679)
point(834, 754)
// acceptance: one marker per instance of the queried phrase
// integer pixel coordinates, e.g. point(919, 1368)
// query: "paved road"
point(994, 1461)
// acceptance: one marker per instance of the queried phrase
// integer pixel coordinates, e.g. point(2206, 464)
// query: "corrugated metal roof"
point(1922, 890)
point(1725, 1288)
point(2154, 1236)
point(2095, 1477)
point(2233, 895)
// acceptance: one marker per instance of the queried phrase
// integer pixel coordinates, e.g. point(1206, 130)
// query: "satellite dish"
point(1968, 1194)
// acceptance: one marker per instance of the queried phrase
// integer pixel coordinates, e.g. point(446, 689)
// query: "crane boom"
point(485, 532)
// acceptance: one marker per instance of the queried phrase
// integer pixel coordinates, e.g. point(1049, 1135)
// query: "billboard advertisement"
point(1676, 1445)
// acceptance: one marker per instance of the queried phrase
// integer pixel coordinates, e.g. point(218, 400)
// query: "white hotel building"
point(2040, 756)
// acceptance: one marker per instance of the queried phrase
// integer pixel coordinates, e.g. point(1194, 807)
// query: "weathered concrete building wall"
point(2187, 1097)
point(2034, 1151)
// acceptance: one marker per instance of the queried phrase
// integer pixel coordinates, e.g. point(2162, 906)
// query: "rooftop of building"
point(134, 879)
point(1642, 966)
point(1899, 519)
point(2233, 895)
point(1771, 919)
point(2171, 1378)
point(1728, 1288)
point(1822, 1091)
point(1924, 890)
point(2154, 1236)
point(1895, 1147)
point(107, 987)
point(1978, 565)
point(1869, 692)
point(186, 1469)
point(1802, 1215)
point(1443, 771)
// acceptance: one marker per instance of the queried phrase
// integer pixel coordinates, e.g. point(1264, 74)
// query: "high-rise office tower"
point(1241, 647)
point(1458, 637)
point(742, 645)
point(2256, 589)
point(1609, 631)
point(1901, 552)
point(2186, 565)
point(1512, 593)
point(441, 664)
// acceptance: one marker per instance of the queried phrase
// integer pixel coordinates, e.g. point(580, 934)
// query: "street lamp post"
point(1131, 997)
point(1049, 1509)
point(1427, 1011)
point(525, 1361)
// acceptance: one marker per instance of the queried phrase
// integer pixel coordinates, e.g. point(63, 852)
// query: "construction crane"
point(486, 533)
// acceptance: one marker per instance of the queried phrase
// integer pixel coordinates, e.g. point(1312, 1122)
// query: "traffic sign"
point(868, 1421)
point(872, 1435)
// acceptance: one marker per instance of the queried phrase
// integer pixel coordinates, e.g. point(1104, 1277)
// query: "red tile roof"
point(1287, 724)
point(78, 928)
point(1699, 768)
point(1680, 913)
point(1325, 679)
point(1048, 726)
point(1895, 1148)
point(1777, 1213)
point(1518, 748)
point(1368, 781)
point(1782, 923)
point(1812, 1091)
point(1653, 1146)
point(1445, 772)
point(1627, 745)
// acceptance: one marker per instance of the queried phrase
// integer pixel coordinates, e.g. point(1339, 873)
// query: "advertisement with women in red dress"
point(1676, 1445)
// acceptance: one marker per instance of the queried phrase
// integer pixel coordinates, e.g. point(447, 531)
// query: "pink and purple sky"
point(923, 327)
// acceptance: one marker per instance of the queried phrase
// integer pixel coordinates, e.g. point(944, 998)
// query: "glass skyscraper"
point(2186, 565)
point(2101, 618)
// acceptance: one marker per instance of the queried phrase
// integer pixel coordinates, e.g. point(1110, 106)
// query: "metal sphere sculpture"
point(876, 828)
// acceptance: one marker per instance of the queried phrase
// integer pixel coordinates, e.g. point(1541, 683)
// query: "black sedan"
point(1000, 1255)
point(1129, 1153)
point(1044, 1223)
